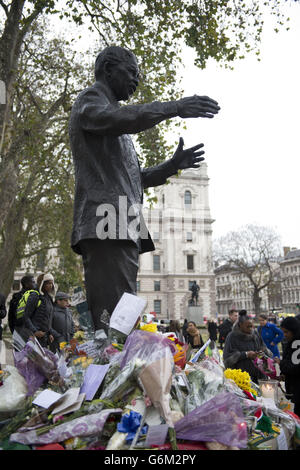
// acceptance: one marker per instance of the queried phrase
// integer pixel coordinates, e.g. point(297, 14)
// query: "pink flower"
point(58, 418)
point(147, 401)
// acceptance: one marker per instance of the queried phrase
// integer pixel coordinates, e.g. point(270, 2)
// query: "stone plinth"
point(195, 314)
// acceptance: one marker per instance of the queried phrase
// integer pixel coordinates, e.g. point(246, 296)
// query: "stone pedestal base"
point(194, 314)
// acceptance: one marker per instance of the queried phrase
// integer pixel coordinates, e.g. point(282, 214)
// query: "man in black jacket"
point(27, 283)
point(38, 312)
point(226, 327)
point(108, 229)
point(2, 312)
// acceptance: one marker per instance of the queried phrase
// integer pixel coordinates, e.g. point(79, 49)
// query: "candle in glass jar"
point(267, 391)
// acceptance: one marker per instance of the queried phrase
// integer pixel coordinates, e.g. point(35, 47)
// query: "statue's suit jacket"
point(106, 164)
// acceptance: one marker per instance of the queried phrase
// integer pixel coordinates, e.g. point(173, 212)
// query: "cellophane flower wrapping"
point(267, 366)
point(88, 425)
point(220, 419)
point(156, 379)
point(35, 367)
point(122, 382)
point(146, 346)
point(206, 380)
point(155, 354)
point(13, 391)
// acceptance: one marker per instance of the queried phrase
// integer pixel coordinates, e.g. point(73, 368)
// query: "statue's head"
point(119, 68)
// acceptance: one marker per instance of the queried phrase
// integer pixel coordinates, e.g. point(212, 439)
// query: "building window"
point(188, 198)
point(138, 286)
point(156, 236)
point(190, 262)
point(156, 262)
point(190, 284)
point(156, 285)
point(189, 236)
point(157, 306)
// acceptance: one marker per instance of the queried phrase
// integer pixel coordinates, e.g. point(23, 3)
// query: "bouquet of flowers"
point(36, 365)
point(267, 366)
point(242, 379)
point(220, 420)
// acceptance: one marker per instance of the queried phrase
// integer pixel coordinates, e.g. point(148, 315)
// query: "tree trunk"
point(257, 301)
point(12, 249)
point(10, 46)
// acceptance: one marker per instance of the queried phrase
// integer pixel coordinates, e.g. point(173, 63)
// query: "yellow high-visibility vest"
point(23, 301)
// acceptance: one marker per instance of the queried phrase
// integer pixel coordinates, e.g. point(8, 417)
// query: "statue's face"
point(124, 78)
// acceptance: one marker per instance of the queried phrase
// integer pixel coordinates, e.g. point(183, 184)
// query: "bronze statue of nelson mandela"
point(109, 181)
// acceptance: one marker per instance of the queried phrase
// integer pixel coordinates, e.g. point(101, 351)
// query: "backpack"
point(22, 305)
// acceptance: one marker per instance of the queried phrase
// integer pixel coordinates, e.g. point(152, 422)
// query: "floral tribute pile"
point(145, 391)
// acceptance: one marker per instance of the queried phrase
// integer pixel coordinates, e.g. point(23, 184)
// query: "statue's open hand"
point(197, 106)
point(188, 158)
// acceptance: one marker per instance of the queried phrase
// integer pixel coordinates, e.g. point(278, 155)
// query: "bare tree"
point(253, 251)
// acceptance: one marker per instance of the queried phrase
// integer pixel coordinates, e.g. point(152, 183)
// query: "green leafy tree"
point(38, 143)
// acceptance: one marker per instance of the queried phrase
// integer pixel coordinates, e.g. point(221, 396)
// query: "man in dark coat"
point(108, 229)
point(63, 327)
point(227, 325)
point(2, 312)
point(38, 313)
point(27, 283)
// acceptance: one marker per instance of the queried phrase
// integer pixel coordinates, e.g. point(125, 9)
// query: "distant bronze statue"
point(109, 231)
point(195, 293)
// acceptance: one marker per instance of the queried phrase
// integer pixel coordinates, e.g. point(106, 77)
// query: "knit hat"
point(61, 296)
point(291, 324)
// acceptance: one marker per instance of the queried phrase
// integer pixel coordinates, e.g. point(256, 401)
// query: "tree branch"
point(4, 7)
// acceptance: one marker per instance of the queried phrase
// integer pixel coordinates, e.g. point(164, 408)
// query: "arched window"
point(188, 198)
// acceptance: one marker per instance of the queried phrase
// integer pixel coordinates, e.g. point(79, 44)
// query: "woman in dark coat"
point(242, 346)
point(290, 363)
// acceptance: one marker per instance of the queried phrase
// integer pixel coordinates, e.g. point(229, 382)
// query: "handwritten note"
point(46, 398)
point(68, 399)
point(90, 348)
point(126, 313)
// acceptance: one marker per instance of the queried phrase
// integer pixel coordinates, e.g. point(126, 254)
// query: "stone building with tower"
point(180, 224)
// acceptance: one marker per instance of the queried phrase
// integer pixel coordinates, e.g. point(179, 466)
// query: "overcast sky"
point(252, 146)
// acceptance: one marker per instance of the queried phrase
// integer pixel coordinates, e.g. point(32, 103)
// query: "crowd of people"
point(39, 310)
point(242, 343)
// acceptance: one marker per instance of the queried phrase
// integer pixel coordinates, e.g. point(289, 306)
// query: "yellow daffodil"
point(79, 335)
point(62, 345)
point(242, 379)
point(151, 327)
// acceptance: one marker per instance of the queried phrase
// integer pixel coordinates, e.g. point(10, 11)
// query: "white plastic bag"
point(13, 391)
